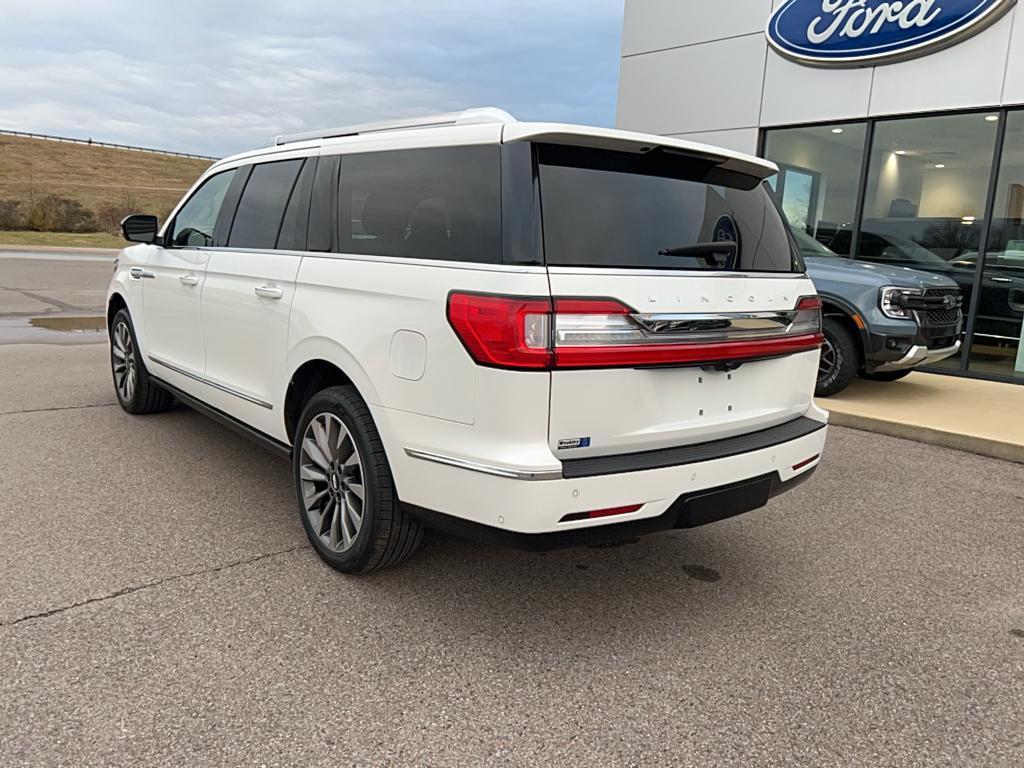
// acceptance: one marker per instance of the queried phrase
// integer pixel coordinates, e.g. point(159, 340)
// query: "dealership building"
point(898, 128)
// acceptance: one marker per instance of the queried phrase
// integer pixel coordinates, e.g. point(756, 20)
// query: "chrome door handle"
point(269, 292)
point(188, 280)
point(1001, 279)
point(139, 272)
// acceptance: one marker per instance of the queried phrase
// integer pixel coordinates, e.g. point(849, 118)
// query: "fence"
point(104, 144)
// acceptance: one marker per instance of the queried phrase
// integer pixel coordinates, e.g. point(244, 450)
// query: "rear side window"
point(442, 203)
point(261, 209)
point(658, 210)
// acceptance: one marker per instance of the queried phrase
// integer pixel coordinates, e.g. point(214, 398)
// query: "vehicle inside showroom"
point(898, 132)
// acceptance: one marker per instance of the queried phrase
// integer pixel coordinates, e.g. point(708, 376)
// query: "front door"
point(172, 285)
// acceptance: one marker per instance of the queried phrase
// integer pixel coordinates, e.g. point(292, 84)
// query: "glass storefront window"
point(819, 170)
point(998, 343)
point(924, 205)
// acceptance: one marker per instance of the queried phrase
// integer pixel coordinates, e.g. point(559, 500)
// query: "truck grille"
point(942, 315)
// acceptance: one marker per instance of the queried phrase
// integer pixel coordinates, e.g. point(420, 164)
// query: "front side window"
point(261, 208)
point(659, 210)
point(194, 224)
point(442, 203)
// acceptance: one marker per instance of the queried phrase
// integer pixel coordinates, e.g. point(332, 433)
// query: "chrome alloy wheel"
point(125, 365)
point(828, 361)
point(332, 482)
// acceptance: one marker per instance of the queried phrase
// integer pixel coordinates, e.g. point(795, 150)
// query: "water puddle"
point(53, 329)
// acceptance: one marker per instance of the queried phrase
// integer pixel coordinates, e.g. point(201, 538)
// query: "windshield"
point(808, 246)
point(659, 210)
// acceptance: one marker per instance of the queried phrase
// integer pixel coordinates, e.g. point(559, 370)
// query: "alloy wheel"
point(125, 364)
point(828, 362)
point(331, 474)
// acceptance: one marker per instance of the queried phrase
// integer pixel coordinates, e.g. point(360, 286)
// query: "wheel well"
point(310, 378)
point(842, 316)
point(115, 305)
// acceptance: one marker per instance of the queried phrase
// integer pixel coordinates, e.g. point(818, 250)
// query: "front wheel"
point(839, 360)
point(136, 391)
point(345, 489)
point(885, 375)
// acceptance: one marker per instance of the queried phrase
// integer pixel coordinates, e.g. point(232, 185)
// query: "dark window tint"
point(296, 216)
point(323, 212)
point(195, 222)
point(425, 203)
point(659, 210)
point(261, 208)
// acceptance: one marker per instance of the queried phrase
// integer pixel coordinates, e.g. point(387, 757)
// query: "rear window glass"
point(261, 208)
point(656, 210)
point(442, 203)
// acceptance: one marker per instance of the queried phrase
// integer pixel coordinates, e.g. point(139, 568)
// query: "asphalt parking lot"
point(160, 606)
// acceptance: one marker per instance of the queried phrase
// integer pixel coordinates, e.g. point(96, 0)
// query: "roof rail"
point(475, 116)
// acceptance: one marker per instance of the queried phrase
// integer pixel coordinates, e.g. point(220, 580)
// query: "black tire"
point(885, 375)
point(139, 394)
point(840, 359)
point(387, 534)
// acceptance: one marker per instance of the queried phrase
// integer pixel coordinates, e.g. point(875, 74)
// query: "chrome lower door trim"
point(487, 469)
point(211, 383)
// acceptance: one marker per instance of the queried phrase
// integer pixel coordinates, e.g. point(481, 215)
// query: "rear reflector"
point(805, 462)
point(534, 333)
point(600, 513)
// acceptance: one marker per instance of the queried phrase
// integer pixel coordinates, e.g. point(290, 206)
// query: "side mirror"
point(140, 228)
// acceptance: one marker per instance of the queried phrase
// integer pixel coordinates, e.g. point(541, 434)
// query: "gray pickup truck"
point(881, 322)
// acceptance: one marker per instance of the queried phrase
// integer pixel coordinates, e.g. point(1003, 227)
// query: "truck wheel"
point(346, 493)
point(839, 360)
point(885, 375)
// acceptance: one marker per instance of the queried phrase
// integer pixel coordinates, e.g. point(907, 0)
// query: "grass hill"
point(47, 186)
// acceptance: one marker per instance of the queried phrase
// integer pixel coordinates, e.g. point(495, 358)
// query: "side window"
point(262, 206)
point(440, 203)
point(193, 226)
point(296, 216)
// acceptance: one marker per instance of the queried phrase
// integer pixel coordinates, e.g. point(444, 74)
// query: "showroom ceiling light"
point(837, 130)
point(940, 165)
point(992, 118)
point(901, 152)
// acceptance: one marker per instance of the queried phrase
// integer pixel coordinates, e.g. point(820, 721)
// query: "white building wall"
point(704, 71)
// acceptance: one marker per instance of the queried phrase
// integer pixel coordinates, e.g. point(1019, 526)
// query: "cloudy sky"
point(218, 77)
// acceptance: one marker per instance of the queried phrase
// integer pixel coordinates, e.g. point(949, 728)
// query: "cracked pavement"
point(160, 606)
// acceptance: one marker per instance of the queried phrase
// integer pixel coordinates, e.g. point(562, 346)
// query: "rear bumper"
point(689, 510)
point(694, 491)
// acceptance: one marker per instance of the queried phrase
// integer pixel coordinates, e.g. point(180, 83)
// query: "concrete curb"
point(58, 249)
point(971, 443)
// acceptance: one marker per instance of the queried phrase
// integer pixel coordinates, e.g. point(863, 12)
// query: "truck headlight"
point(890, 299)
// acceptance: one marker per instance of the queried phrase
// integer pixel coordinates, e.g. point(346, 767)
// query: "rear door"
point(249, 289)
point(677, 298)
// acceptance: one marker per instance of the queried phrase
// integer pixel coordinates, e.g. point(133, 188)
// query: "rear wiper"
point(707, 250)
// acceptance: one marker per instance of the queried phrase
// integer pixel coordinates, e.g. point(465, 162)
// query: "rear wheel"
point(839, 360)
point(345, 489)
point(885, 375)
point(136, 391)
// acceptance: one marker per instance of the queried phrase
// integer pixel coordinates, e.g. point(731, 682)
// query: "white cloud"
point(211, 77)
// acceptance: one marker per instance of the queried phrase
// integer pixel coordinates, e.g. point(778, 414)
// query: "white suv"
point(534, 333)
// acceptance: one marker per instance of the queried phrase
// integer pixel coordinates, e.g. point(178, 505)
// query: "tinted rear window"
point(440, 203)
point(261, 208)
point(619, 209)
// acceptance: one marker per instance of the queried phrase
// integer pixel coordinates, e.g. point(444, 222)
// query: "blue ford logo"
point(854, 33)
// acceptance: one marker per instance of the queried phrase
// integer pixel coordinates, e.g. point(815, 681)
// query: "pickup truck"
point(880, 322)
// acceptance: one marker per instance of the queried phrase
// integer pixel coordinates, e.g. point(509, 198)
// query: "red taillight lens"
point(536, 334)
point(599, 513)
point(503, 331)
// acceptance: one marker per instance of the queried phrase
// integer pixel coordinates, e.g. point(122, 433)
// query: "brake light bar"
point(534, 333)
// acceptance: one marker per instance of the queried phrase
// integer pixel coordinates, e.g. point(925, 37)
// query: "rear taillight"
point(537, 334)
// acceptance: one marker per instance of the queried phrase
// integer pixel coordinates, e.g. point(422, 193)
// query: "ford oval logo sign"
point(859, 33)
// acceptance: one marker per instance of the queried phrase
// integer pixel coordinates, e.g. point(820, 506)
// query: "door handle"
point(139, 272)
point(269, 292)
point(189, 279)
point(1001, 279)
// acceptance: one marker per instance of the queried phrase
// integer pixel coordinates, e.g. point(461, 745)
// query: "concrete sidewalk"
point(982, 417)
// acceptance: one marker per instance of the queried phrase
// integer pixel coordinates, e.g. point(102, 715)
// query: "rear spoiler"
point(630, 141)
